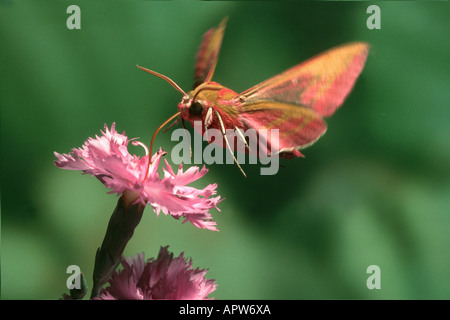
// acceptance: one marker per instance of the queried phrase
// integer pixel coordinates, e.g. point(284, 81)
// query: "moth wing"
point(208, 53)
point(298, 126)
point(320, 83)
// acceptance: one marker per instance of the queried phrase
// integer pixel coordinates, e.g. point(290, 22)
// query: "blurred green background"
point(374, 190)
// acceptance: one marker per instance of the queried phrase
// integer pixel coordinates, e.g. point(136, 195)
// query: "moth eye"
point(196, 109)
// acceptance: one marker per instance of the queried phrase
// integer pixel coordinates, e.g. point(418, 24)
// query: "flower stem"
point(124, 220)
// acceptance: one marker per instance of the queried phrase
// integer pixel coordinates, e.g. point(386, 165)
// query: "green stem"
point(124, 220)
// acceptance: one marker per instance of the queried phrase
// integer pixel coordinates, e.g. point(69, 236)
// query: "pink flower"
point(163, 278)
point(107, 158)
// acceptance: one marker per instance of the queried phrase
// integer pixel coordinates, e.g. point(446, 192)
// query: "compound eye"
point(196, 109)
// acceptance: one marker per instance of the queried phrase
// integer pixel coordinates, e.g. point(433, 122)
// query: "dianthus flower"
point(107, 158)
point(164, 278)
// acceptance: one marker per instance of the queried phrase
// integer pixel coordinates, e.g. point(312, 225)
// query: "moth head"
point(196, 109)
point(190, 107)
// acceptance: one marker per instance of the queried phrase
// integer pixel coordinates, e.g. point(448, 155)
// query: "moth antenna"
point(206, 87)
point(165, 78)
point(227, 143)
point(153, 138)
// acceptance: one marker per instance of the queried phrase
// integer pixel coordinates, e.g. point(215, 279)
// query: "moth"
point(295, 102)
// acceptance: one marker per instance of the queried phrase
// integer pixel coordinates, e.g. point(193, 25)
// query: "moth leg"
point(208, 120)
point(188, 136)
point(172, 124)
point(222, 127)
point(241, 136)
